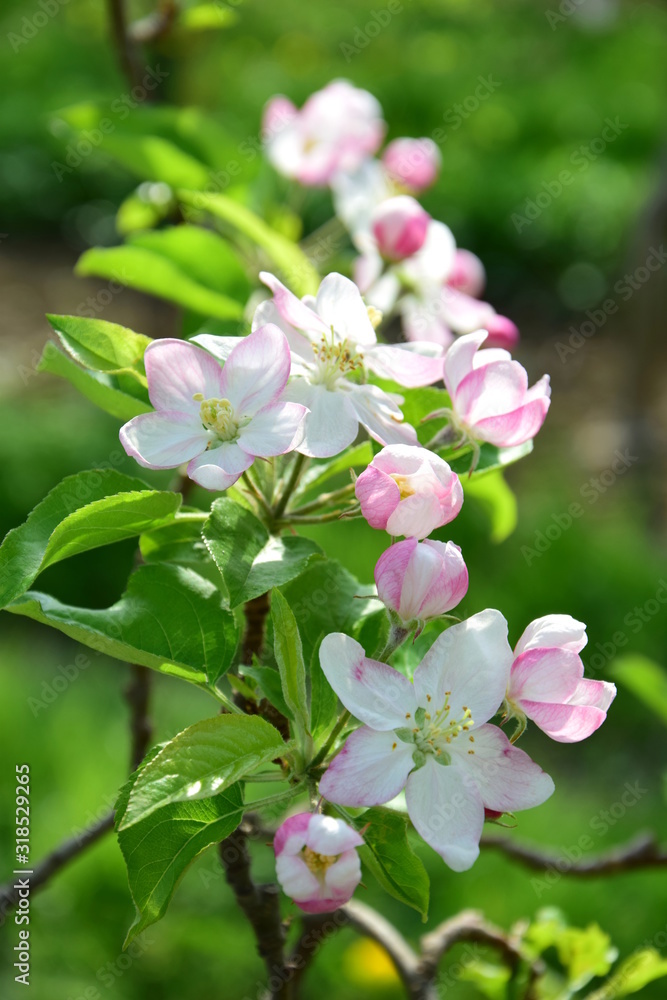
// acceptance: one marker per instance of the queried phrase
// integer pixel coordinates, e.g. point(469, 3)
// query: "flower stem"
point(192, 515)
point(273, 799)
point(322, 753)
point(290, 518)
point(342, 494)
point(290, 486)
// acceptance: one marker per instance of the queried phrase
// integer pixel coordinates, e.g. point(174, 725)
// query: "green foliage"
point(323, 699)
point(250, 560)
point(584, 953)
point(388, 855)
point(497, 500)
point(299, 273)
point(102, 390)
point(646, 679)
point(84, 511)
point(169, 619)
point(632, 975)
point(101, 346)
point(289, 657)
point(201, 762)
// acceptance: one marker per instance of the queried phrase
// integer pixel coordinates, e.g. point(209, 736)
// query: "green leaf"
point(144, 208)
point(491, 980)
point(490, 458)
point(268, 679)
point(202, 255)
point(325, 598)
point(147, 271)
point(318, 474)
point(289, 657)
point(169, 619)
point(250, 561)
point(388, 855)
point(585, 953)
point(205, 17)
point(297, 269)
point(102, 390)
point(156, 159)
point(159, 849)
point(202, 761)
point(101, 346)
point(71, 518)
point(633, 975)
point(497, 500)
point(645, 679)
point(180, 542)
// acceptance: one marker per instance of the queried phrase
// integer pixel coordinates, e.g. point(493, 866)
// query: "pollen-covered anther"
point(217, 415)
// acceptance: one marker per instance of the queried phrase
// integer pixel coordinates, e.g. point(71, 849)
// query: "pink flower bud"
point(399, 226)
point(412, 162)
point(316, 861)
point(407, 490)
point(467, 274)
point(421, 580)
point(502, 332)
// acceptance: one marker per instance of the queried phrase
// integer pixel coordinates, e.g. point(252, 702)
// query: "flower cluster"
point(314, 373)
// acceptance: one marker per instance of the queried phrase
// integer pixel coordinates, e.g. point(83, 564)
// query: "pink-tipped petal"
point(292, 309)
point(467, 274)
point(459, 359)
point(327, 835)
point(378, 496)
point(164, 439)
point(257, 370)
point(296, 878)
point(373, 692)
point(219, 468)
point(404, 365)
point(341, 307)
point(553, 630)
point(545, 675)
point(510, 429)
point(177, 371)
point(291, 835)
point(506, 777)
point(371, 769)
point(490, 392)
point(273, 431)
point(502, 332)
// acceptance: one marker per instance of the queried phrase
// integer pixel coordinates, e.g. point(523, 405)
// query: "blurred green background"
point(558, 77)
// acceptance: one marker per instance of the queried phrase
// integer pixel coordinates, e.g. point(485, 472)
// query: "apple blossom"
point(414, 163)
point(432, 736)
point(316, 861)
point(421, 580)
point(335, 131)
point(407, 490)
point(399, 226)
point(333, 340)
point(547, 683)
point(489, 393)
point(218, 420)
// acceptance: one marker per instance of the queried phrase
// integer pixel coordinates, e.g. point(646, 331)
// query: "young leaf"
point(388, 855)
point(202, 761)
point(102, 346)
point(646, 679)
point(297, 269)
point(154, 158)
point(169, 619)
point(250, 561)
point(102, 390)
point(82, 512)
point(160, 848)
point(289, 657)
point(323, 698)
point(633, 975)
point(268, 679)
point(148, 271)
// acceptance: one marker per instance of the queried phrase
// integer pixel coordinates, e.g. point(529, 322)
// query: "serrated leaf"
point(159, 850)
point(102, 390)
point(250, 561)
point(646, 680)
point(101, 346)
point(137, 267)
point(169, 619)
point(289, 657)
point(388, 855)
point(297, 269)
point(29, 548)
point(202, 761)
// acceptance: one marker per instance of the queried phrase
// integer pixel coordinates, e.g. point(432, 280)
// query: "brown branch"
point(255, 612)
point(125, 47)
point(137, 696)
point(261, 905)
point(372, 924)
point(641, 852)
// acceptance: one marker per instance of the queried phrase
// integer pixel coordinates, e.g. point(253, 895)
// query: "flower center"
point(432, 733)
point(404, 487)
point(319, 863)
point(334, 359)
point(217, 415)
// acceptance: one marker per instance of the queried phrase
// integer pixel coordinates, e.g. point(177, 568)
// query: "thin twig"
point(125, 47)
point(137, 695)
point(641, 852)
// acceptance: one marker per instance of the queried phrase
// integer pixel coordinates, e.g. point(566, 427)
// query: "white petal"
point(506, 777)
point(553, 630)
point(447, 812)
point(296, 878)
point(164, 439)
point(327, 835)
point(404, 365)
point(176, 371)
point(371, 769)
point(257, 370)
point(471, 660)
point(345, 874)
point(340, 305)
point(219, 468)
point(292, 309)
point(459, 359)
point(380, 415)
point(272, 432)
point(332, 423)
point(373, 692)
